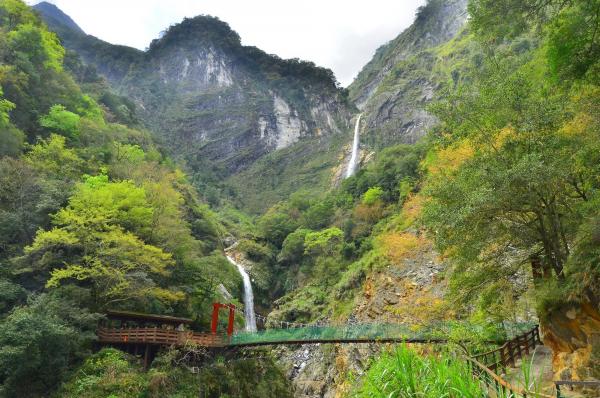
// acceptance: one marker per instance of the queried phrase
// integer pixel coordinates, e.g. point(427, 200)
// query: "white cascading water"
point(354, 158)
point(249, 315)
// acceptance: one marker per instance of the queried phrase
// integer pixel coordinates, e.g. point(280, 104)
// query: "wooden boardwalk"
point(157, 336)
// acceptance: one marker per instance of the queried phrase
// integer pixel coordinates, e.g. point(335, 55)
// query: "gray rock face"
point(395, 87)
point(320, 370)
point(213, 102)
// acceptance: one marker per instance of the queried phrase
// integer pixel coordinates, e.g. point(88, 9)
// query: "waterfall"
point(354, 158)
point(248, 297)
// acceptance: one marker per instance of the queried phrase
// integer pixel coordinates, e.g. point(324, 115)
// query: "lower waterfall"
point(249, 315)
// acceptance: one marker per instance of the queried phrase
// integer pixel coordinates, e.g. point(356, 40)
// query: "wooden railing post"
point(511, 353)
point(503, 360)
point(518, 342)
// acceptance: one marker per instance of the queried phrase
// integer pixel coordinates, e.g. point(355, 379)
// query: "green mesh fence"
point(358, 332)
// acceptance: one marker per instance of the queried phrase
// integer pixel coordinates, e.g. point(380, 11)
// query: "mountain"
point(221, 106)
point(493, 218)
point(406, 74)
point(53, 16)
point(110, 60)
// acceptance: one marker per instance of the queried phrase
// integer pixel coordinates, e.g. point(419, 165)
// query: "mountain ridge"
point(221, 106)
point(52, 13)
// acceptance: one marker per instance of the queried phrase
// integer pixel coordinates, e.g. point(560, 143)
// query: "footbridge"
point(139, 333)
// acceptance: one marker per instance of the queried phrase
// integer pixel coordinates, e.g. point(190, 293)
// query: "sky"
point(338, 34)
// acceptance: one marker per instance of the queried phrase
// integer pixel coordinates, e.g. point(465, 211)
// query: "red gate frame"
point(215, 317)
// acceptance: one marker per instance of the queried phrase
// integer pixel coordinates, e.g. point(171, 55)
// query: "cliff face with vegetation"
point(492, 217)
point(503, 188)
point(408, 73)
point(216, 104)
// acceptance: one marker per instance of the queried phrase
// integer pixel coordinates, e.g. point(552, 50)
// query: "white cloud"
point(339, 34)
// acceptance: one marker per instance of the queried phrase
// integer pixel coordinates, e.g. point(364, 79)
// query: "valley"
point(420, 233)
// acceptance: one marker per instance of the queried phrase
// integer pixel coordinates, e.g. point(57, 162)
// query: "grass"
point(529, 380)
point(403, 373)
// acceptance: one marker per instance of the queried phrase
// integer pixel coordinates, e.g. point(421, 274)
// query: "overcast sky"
point(338, 34)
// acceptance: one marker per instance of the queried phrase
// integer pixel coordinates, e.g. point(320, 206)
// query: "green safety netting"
point(381, 331)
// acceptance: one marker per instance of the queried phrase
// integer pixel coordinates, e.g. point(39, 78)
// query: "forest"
point(96, 214)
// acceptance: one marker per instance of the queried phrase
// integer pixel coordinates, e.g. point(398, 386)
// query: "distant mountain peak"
point(200, 29)
point(55, 17)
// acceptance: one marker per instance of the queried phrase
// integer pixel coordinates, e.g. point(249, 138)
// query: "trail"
point(354, 158)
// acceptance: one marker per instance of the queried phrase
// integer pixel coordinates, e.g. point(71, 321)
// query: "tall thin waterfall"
point(248, 297)
point(354, 158)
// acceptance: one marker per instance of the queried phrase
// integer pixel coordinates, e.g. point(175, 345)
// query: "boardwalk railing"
point(159, 337)
point(498, 385)
point(511, 351)
point(485, 366)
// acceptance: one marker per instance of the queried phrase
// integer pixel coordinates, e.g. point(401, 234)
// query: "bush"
point(274, 226)
point(255, 251)
point(109, 373)
point(372, 196)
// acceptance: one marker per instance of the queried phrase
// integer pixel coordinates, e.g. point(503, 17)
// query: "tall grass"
point(530, 382)
point(404, 373)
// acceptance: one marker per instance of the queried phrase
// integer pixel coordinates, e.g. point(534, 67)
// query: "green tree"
point(275, 225)
point(372, 196)
point(14, 13)
point(40, 342)
point(20, 194)
point(11, 139)
point(521, 192)
point(574, 42)
point(327, 242)
point(52, 158)
point(571, 28)
point(94, 242)
point(318, 215)
point(60, 120)
point(390, 167)
point(292, 249)
point(33, 45)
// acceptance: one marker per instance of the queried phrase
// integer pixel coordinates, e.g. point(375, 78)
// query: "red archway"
point(215, 317)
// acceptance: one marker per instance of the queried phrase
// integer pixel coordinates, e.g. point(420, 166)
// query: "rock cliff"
point(395, 87)
point(215, 103)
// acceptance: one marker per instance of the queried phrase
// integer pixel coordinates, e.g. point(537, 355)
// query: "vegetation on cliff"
point(524, 195)
point(94, 214)
point(92, 217)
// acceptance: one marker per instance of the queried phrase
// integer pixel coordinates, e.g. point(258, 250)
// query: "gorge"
point(447, 197)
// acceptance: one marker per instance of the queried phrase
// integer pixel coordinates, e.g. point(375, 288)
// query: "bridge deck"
point(157, 336)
